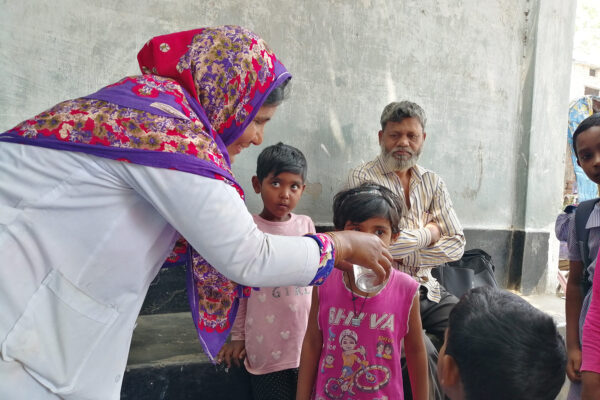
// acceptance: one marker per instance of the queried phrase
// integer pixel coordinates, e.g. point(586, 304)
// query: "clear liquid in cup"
point(365, 279)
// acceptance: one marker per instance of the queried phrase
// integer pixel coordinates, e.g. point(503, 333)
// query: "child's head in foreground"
point(586, 146)
point(280, 176)
point(369, 208)
point(498, 347)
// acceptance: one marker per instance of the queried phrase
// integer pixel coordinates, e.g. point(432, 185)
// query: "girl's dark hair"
point(366, 201)
point(589, 122)
point(280, 158)
point(494, 335)
point(279, 94)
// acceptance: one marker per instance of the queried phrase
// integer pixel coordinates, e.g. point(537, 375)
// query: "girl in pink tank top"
point(354, 339)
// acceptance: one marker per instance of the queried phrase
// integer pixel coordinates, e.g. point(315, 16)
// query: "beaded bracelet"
point(326, 258)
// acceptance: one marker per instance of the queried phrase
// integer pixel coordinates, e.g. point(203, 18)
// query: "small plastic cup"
point(365, 279)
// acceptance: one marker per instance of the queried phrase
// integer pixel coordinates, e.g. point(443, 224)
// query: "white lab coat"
point(81, 239)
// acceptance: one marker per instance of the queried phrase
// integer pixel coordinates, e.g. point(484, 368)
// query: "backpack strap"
point(582, 214)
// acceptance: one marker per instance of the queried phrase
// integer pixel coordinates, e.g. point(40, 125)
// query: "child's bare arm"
point(416, 355)
point(572, 311)
point(311, 352)
point(591, 386)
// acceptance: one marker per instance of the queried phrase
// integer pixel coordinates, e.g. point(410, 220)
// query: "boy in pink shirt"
point(270, 324)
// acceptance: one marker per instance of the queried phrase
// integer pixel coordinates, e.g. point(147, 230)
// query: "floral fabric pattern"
point(90, 122)
point(97, 122)
point(216, 295)
point(229, 70)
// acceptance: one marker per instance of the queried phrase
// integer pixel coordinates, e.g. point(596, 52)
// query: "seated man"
point(431, 233)
point(498, 347)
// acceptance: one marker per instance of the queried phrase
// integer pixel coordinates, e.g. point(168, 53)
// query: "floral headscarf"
point(228, 70)
point(200, 90)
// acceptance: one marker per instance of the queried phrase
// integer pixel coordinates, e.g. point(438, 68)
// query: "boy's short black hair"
point(280, 158)
point(505, 348)
point(589, 122)
point(366, 201)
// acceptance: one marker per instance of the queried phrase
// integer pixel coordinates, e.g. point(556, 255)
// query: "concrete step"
point(166, 362)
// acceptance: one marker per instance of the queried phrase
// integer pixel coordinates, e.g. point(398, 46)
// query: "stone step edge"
point(165, 339)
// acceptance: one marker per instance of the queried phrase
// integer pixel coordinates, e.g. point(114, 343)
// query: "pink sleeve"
point(591, 331)
point(311, 225)
point(238, 330)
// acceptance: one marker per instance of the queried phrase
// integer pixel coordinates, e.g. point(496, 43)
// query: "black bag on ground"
point(474, 269)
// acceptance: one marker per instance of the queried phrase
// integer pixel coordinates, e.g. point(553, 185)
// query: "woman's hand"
point(234, 351)
point(364, 249)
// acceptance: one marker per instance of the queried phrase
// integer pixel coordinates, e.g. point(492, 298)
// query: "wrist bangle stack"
point(336, 245)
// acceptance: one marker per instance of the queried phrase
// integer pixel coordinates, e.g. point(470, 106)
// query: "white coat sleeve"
point(215, 221)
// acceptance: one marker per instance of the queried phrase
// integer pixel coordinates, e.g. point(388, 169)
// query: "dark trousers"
point(434, 318)
point(278, 385)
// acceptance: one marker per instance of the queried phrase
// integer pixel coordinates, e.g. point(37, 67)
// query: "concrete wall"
point(494, 80)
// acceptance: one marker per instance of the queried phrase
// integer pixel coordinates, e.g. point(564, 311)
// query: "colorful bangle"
point(326, 258)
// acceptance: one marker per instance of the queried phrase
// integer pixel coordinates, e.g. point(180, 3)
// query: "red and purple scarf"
point(200, 90)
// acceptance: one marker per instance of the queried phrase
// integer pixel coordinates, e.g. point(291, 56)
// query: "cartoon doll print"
point(349, 342)
point(380, 347)
point(327, 362)
point(356, 373)
point(388, 351)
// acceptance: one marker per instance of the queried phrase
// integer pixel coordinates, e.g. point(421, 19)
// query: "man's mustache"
point(405, 149)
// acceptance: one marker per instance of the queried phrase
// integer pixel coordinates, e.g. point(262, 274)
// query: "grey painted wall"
point(493, 79)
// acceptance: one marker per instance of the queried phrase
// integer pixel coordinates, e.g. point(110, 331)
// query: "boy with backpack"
point(583, 244)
